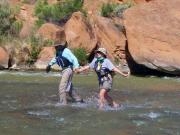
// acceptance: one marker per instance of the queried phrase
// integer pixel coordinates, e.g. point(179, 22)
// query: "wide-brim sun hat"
point(102, 50)
point(60, 44)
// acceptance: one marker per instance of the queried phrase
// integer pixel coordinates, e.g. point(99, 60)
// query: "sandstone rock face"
point(52, 31)
point(13, 2)
point(110, 36)
point(26, 30)
point(4, 58)
point(96, 32)
point(17, 56)
point(79, 33)
point(93, 6)
point(138, 1)
point(28, 19)
point(52, 1)
point(45, 56)
point(153, 34)
point(22, 55)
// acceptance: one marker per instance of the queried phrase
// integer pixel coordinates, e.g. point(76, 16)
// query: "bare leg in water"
point(110, 100)
point(103, 97)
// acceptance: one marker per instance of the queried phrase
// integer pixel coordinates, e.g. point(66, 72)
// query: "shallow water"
point(29, 106)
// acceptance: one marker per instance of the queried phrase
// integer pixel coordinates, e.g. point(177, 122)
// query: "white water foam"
point(109, 108)
point(39, 113)
point(139, 122)
point(89, 102)
point(151, 115)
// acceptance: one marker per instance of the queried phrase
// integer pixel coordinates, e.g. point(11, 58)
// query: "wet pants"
point(66, 87)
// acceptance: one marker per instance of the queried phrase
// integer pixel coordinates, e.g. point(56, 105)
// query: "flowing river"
point(29, 106)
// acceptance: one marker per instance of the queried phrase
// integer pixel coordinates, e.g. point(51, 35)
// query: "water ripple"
point(39, 113)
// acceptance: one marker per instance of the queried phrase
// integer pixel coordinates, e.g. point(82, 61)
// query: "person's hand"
point(77, 70)
point(48, 68)
point(126, 74)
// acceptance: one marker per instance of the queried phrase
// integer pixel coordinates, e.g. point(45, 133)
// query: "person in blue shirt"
point(69, 64)
point(104, 70)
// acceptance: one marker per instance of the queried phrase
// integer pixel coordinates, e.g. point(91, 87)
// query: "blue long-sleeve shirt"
point(69, 55)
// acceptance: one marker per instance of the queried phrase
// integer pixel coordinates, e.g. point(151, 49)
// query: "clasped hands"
point(78, 70)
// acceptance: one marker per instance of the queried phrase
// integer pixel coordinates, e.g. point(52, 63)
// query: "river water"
point(29, 106)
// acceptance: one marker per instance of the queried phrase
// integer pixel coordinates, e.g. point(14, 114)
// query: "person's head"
point(60, 46)
point(101, 52)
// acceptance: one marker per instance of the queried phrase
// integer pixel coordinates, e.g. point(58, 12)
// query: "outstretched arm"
point(120, 72)
point(87, 67)
point(81, 69)
point(52, 62)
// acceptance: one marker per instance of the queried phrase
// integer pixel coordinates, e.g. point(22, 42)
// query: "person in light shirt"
point(104, 70)
point(69, 64)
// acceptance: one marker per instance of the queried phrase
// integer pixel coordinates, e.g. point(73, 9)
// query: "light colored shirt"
point(69, 55)
point(106, 64)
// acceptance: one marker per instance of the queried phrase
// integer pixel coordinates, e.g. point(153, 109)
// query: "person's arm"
point(87, 67)
point(111, 67)
point(120, 72)
point(81, 69)
point(52, 62)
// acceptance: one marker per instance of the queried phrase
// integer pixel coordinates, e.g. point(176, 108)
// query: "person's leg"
point(74, 95)
point(107, 86)
point(66, 74)
point(71, 91)
point(102, 99)
point(110, 100)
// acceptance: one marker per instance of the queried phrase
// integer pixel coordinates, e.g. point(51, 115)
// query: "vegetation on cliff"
point(112, 9)
point(9, 25)
point(57, 12)
point(81, 55)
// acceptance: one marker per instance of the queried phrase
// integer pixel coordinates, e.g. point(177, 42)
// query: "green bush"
point(9, 26)
point(37, 42)
point(39, 23)
point(110, 9)
point(36, 46)
point(48, 42)
point(107, 9)
point(120, 8)
point(56, 12)
point(80, 53)
point(16, 27)
point(5, 18)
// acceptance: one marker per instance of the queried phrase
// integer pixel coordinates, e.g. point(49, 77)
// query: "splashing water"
point(28, 105)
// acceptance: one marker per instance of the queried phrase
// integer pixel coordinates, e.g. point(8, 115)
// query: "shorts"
point(105, 83)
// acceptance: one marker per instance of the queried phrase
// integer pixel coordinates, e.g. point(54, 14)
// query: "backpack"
point(100, 70)
point(61, 60)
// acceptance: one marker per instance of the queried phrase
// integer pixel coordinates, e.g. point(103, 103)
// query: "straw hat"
point(102, 50)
